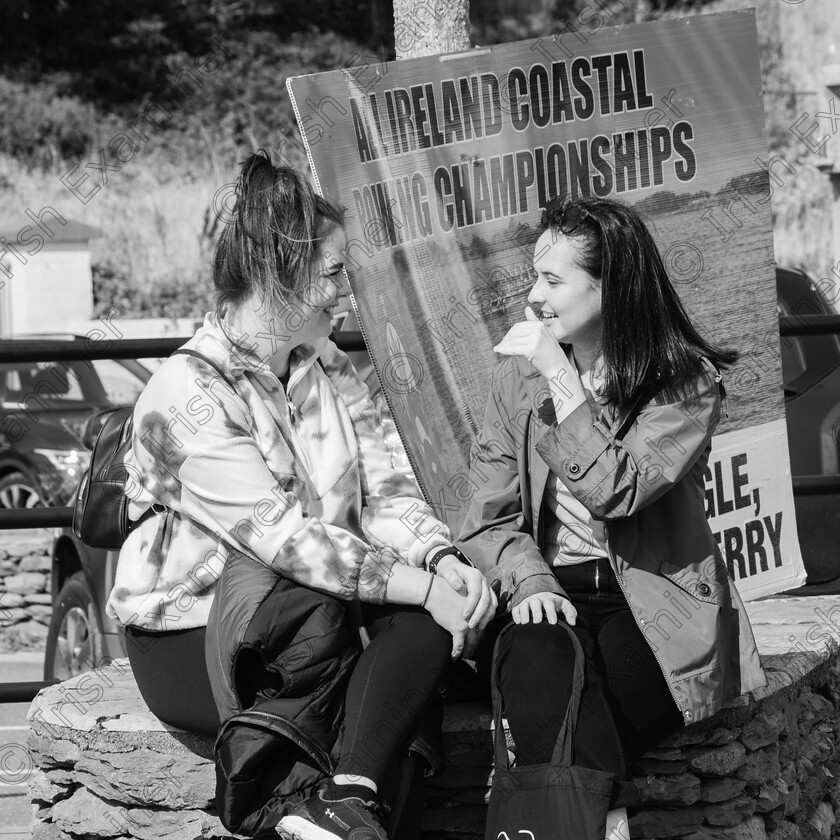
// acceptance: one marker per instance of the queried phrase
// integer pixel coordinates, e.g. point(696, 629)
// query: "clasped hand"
point(462, 602)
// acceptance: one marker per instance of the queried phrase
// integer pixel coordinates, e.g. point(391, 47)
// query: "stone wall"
point(769, 768)
point(765, 768)
point(105, 767)
point(25, 601)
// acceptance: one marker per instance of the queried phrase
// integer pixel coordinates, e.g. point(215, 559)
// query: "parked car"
point(811, 377)
point(81, 633)
point(43, 406)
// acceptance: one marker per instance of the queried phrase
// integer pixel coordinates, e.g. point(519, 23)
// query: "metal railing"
point(48, 350)
point(799, 325)
point(802, 325)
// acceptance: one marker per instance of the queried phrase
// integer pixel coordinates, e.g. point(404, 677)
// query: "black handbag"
point(554, 801)
point(100, 506)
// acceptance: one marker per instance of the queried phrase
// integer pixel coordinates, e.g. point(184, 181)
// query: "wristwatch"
point(449, 550)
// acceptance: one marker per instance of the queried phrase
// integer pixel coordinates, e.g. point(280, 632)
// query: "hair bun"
point(270, 247)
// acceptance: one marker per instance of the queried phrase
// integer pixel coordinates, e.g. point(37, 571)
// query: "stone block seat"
point(767, 767)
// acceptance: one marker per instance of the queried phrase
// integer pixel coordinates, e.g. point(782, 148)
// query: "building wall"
point(54, 287)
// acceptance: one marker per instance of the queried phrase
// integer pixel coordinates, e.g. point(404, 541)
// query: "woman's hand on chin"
point(547, 604)
point(534, 341)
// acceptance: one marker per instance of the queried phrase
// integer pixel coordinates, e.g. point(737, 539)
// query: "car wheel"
point(74, 639)
point(17, 490)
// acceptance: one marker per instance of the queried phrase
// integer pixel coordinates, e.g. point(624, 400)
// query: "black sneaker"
point(318, 818)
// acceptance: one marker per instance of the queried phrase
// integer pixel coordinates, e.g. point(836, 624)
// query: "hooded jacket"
point(299, 478)
point(640, 472)
point(279, 656)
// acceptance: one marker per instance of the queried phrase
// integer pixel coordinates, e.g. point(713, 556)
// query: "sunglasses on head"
point(564, 213)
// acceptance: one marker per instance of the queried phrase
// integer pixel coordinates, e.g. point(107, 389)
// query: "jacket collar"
point(613, 422)
point(238, 354)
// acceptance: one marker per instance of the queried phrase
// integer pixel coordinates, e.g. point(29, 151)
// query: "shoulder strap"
point(719, 380)
point(155, 508)
point(186, 351)
point(627, 421)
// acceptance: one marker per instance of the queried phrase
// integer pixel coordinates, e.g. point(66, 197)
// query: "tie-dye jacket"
point(305, 483)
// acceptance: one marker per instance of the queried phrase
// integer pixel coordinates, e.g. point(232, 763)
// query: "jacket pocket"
point(697, 583)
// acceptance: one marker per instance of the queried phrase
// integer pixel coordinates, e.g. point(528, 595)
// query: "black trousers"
point(172, 677)
point(395, 678)
point(626, 705)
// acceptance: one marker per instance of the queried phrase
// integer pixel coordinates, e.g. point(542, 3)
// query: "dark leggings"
point(172, 677)
point(395, 678)
point(626, 706)
point(393, 681)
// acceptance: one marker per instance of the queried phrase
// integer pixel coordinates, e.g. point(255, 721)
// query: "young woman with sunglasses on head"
point(590, 508)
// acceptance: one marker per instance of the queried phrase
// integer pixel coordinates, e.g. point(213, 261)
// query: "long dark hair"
point(269, 243)
point(648, 342)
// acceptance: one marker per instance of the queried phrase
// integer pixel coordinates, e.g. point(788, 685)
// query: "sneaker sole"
point(298, 828)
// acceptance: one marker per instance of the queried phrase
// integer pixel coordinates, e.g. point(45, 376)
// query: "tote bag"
point(554, 801)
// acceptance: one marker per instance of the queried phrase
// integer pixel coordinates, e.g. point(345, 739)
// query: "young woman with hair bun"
point(260, 449)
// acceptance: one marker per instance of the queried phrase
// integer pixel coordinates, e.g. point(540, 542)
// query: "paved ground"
point(21, 666)
point(15, 810)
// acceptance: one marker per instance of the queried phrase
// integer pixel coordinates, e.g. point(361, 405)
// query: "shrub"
point(41, 127)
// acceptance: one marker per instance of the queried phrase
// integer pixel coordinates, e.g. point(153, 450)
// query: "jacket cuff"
point(533, 584)
point(375, 573)
point(574, 445)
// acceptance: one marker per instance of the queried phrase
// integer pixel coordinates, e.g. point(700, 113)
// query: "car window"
point(40, 385)
point(793, 354)
point(43, 386)
point(122, 386)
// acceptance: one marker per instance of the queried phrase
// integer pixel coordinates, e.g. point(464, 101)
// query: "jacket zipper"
point(293, 419)
point(639, 625)
point(288, 730)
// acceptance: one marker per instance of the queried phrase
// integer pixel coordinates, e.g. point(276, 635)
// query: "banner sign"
point(443, 164)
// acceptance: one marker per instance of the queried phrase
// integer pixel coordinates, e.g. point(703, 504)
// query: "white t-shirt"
point(571, 534)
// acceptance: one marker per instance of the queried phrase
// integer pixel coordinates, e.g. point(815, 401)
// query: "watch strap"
point(446, 551)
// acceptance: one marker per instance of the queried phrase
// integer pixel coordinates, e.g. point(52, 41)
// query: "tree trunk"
point(430, 27)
